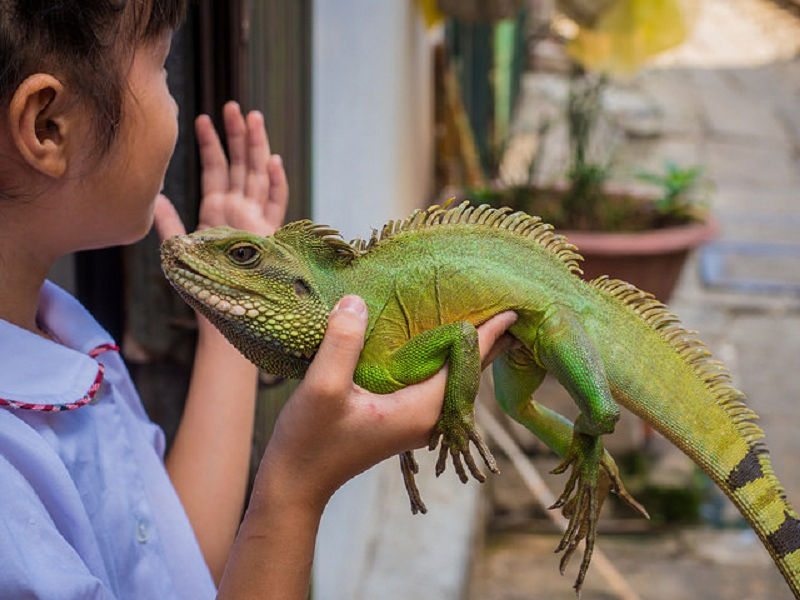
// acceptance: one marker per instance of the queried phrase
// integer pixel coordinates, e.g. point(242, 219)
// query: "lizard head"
point(256, 290)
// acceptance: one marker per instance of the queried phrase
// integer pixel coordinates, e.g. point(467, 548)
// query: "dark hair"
point(83, 42)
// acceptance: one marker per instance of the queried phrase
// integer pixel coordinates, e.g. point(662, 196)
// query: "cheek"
point(170, 130)
point(163, 123)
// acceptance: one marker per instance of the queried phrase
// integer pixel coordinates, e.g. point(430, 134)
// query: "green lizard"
point(428, 281)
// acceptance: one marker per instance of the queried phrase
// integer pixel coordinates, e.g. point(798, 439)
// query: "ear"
point(39, 123)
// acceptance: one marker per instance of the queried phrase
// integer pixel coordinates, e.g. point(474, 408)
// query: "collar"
point(40, 374)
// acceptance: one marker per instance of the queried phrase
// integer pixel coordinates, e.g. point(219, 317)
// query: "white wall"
point(372, 147)
point(371, 547)
point(372, 113)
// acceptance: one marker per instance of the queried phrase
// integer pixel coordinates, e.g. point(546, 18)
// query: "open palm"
point(246, 189)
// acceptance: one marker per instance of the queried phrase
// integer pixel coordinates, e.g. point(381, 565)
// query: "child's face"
point(124, 186)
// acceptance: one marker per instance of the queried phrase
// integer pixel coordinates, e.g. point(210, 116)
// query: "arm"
point(329, 431)
point(209, 460)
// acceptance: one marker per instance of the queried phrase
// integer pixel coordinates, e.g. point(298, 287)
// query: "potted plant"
point(643, 238)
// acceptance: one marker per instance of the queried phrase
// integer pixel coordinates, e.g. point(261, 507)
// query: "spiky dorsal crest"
point(694, 352)
point(518, 223)
point(319, 237)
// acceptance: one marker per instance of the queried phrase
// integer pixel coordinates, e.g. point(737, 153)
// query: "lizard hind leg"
point(593, 470)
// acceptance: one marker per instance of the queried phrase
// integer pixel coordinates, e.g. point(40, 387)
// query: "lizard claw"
point(615, 485)
point(593, 474)
point(457, 446)
point(410, 467)
point(580, 504)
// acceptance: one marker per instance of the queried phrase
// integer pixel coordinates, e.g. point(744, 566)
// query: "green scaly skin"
point(428, 281)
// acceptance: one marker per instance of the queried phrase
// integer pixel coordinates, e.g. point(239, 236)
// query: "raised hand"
point(246, 189)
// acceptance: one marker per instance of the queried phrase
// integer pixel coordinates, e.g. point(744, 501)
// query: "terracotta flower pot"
point(650, 260)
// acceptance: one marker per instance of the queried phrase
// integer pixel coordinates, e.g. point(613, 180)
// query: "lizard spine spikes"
point(712, 373)
point(518, 223)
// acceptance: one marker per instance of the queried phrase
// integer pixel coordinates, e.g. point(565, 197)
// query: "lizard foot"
point(593, 474)
point(455, 440)
point(580, 502)
point(409, 467)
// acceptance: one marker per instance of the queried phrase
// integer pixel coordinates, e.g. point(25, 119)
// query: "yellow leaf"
point(629, 33)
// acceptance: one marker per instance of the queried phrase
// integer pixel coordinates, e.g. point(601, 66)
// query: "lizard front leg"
point(420, 358)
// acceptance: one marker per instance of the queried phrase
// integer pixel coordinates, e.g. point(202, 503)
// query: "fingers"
point(275, 210)
point(331, 373)
point(212, 157)
point(492, 337)
point(237, 138)
point(256, 182)
point(247, 189)
point(167, 221)
point(266, 178)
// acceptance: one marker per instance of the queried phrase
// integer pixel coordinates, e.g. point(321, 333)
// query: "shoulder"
point(47, 375)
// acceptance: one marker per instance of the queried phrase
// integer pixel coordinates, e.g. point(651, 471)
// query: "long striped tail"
point(759, 496)
point(702, 413)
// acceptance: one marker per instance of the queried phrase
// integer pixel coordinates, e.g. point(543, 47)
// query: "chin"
point(131, 236)
point(140, 235)
point(144, 227)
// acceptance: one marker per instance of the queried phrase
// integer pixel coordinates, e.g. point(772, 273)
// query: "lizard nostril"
point(301, 288)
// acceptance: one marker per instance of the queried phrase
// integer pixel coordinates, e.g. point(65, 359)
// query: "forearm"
point(209, 460)
point(274, 550)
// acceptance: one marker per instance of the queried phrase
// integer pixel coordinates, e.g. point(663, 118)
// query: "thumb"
point(331, 372)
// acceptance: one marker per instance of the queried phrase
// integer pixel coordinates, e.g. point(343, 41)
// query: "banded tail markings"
point(748, 470)
point(785, 539)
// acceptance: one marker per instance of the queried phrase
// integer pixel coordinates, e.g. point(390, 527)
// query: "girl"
point(90, 508)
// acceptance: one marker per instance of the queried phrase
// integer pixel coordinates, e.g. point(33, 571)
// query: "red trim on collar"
point(93, 389)
point(103, 348)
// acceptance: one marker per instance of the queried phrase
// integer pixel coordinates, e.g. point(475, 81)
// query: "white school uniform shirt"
point(87, 510)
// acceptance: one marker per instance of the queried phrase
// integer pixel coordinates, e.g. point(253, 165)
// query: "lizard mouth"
point(206, 294)
point(211, 295)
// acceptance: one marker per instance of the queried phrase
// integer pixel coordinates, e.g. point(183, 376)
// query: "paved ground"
point(729, 99)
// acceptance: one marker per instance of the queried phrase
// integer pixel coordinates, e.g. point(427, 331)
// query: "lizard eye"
point(243, 254)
